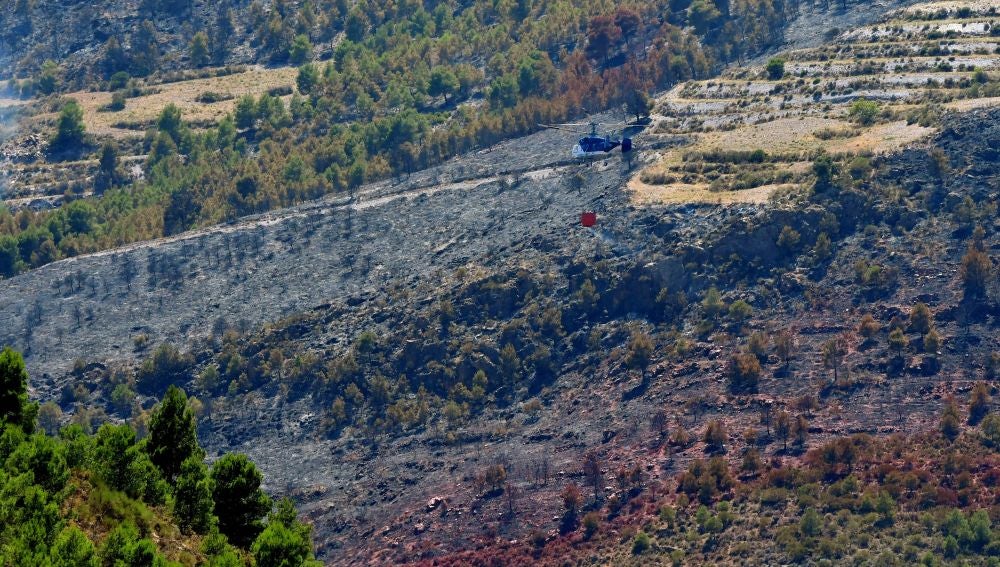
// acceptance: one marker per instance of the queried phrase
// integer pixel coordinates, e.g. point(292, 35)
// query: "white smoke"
point(8, 126)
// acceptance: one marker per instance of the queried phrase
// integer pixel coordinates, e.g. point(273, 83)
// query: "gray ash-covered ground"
point(370, 498)
point(262, 268)
point(382, 490)
point(818, 22)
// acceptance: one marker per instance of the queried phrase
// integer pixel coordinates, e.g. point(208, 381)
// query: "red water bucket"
point(588, 219)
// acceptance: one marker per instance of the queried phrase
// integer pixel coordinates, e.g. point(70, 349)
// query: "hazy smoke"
point(8, 127)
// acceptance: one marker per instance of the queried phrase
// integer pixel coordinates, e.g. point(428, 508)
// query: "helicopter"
point(592, 144)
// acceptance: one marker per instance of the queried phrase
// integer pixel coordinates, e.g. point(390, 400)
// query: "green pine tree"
point(70, 129)
point(199, 49)
point(280, 546)
point(14, 405)
point(240, 504)
point(73, 549)
point(173, 435)
point(193, 497)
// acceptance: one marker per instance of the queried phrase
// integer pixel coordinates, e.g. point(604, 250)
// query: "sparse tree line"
point(386, 103)
point(844, 485)
point(844, 475)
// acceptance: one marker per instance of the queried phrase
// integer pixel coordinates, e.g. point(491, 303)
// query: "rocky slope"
point(496, 235)
point(372, 495)
point(481, 208)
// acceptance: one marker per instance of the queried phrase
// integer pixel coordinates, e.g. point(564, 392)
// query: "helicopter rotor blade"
point(560, 127)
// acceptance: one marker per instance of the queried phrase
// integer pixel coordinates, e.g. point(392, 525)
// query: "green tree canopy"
point(443, 82)
point(44, 458)
point(639, 103)
point(280, 546)
point(775, 68)
point(307, 78)
point(246, 112)
point(240, 504)
point(14, 405)
point(193, 504)
point(171, 122)
point(48, 81)
point(301, 50)
point(173, 435)
point(73, 549)
point(125, 548)
point(864, 112)
point(70, 129)
point(199, 49)
point(124, 465)
point(107, 173)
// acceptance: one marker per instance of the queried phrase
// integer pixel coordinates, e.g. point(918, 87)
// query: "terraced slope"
point(917, 63)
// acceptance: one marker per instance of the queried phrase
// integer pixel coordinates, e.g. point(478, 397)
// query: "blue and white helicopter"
point(591, 144)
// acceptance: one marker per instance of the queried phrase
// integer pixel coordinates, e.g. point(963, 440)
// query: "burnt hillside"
point(582, 336)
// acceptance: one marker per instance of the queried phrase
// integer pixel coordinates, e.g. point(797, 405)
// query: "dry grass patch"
point(11, 102)
point(951, 5)
point(785, 135)
point(680, 193)
point(880, 138)
point(972, 103)
point(145, 109)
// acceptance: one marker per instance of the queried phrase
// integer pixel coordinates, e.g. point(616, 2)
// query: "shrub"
point(990, 430)
point(117, 102)
point(752, 461)
point(950, 425)
point(572, 499)
point(863, 112)
point(712, 302)
point(212, 97)
point(775, 68)
point(640, 350)
point(166, 366)
point(809, 525)
point(979, 402)
point(859, 167)
point(591, 521)
point(744, 372)
point(921, 318)
point(757, 345)
point(868, 327)
point(823, 249)
point(932, 342)
point(495, 476)
point(740, 311)
point(716, 434)
point(789, 239)
point(119, 81)
point(993, 366)
point(640, 544)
